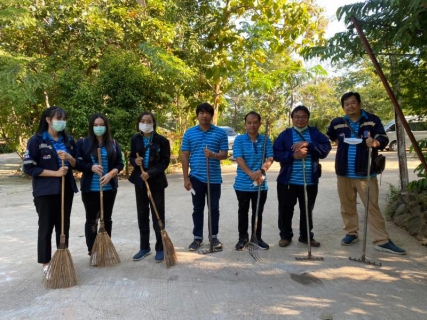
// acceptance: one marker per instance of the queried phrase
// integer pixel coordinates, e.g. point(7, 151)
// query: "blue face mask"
point(58, 125)
point(99, 130)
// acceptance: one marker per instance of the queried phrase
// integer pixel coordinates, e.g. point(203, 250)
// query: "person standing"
point(43, 162)
point(248, 150)
point(292, 146)
point(154, 152)
point(351, 166)
point(201, 142)
point(97, 172)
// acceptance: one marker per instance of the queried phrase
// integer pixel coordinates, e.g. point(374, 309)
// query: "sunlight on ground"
point(355, 274)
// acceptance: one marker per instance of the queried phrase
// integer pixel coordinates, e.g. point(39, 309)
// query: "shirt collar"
point(362, 115)
point(46, 135)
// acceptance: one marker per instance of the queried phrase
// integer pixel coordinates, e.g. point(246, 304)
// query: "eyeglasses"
point(300, 117)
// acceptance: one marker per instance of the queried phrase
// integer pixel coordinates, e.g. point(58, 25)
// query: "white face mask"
point(146, 127)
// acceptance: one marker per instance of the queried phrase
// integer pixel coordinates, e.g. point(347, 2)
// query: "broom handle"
point(62, 240)
point(101, 192)
point(151, 198)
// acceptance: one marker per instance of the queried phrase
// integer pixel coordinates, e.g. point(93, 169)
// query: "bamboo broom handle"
point(101, 192)
point(150, 196)
point(62, 237)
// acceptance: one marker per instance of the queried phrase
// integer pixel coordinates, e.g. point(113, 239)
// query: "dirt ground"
point(225, 285)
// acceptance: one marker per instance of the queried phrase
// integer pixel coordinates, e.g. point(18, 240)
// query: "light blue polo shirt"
point(195, 141)
point(251, 152)
point(57, 145)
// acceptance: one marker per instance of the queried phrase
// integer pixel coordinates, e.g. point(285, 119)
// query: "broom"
point(103, 252)
point(168, 248)
point(61, 273)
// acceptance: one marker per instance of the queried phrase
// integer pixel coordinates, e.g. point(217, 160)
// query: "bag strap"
point(299, 134)
point(351, 128)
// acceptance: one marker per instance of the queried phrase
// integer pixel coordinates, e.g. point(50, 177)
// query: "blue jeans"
point(201, 190)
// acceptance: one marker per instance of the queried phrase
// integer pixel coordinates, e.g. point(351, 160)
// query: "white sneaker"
point(46, 272)
point(93, 259)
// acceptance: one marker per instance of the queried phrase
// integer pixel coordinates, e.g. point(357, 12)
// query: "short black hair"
point(253, 113)
point(347, 95)
point(205, 107)
point(300, 108)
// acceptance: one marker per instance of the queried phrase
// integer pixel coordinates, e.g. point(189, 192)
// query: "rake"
point(211, 247)
point(252, 245)
point(365, 226)
point(103, 253)
point(309, 256)
point(61, 272)
point(168, 248)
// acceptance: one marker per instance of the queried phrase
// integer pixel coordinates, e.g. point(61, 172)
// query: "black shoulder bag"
point(319, 166)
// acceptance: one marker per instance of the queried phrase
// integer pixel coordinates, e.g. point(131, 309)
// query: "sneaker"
point(390, 247)
point(93, 259)
point(160, 256)
point(142, 254)
point(313, 242)
point(195, 245)
point(262, 245)
point(46, 273)
point(216, 243)
point(241, 244)
point(349, 239)
point(284, 242)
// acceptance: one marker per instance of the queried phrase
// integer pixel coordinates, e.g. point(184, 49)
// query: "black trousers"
point(49, 210)
point(245, 199)
point(92, 203)
point(143, 206)
point(287, 196)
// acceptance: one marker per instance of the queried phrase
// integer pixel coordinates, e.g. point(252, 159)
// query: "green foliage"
point(392, 196)
point(420, 184)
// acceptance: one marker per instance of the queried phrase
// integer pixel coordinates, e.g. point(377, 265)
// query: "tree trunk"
point(217, 93)
point(400, 130)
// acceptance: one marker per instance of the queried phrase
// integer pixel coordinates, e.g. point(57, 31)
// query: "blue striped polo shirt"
point(195, 141)
point(147, 142)
point(251, 152)
point(297, 176)
point(352, 148)
point(58, 145)
point(95, 185)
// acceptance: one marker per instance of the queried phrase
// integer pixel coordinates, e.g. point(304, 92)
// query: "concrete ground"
point(225, 285)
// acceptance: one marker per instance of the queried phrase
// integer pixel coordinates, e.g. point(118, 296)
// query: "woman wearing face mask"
point(97, 172)
point(43, 162)
point(154, 152)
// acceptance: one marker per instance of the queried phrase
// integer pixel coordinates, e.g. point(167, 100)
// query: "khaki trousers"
point(347, 191)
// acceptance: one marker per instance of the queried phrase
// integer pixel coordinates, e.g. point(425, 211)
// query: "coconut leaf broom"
point(103, 252)
point(61, 272)
point(168, 248)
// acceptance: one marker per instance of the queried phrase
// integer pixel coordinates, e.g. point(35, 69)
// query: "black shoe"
point(262, 245)
point(241, 244)
point(216, 243)
point(195, 245)
point(313, 242)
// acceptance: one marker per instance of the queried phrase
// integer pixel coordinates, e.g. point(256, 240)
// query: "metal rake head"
point(253, 250)
point(364, 260)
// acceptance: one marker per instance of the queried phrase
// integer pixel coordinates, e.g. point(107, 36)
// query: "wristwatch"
point(262, 171)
